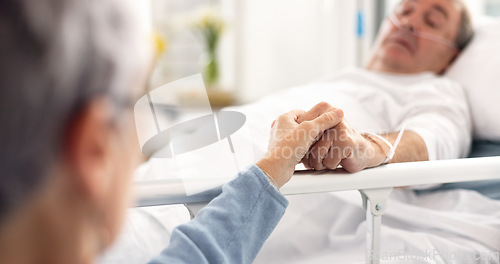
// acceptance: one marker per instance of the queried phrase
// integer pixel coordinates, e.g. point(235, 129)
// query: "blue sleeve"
point(231, 228)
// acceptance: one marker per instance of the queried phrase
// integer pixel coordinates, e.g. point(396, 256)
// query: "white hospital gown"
point(434, 107)
point(430, 228)
point(330, 227)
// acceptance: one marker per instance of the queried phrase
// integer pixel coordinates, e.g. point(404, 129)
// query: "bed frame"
point(374, 184)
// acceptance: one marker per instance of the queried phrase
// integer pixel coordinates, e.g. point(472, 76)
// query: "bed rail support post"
point(374, 202)
point(194, 208)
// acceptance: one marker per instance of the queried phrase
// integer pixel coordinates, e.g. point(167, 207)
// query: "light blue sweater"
point(231, 228)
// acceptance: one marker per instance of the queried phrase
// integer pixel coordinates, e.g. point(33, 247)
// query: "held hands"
point(342, 145)
point(320, 139)
point(291, 140)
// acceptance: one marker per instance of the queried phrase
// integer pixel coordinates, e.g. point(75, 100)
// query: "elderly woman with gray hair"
point(69, 69)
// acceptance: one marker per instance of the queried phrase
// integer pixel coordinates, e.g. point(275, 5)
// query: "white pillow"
point(478, 70)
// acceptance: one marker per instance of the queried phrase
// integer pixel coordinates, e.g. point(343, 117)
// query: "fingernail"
point(339, 112)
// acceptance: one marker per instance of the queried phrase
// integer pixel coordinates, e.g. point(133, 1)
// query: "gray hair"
point(57, 55)
point(465, 27)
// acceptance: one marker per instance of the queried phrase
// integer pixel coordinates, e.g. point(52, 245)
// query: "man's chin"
point(397, 62)
point(398, 49)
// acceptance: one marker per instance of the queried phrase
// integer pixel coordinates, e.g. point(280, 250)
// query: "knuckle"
point(331, 161)
point(330, 166)
point(353, 168)
point(324, 104)
point(313, 160)
point(282, 117)
point(327, 162)
point(329, 117)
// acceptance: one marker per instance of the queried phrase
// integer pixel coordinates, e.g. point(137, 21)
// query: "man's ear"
point(88, 148)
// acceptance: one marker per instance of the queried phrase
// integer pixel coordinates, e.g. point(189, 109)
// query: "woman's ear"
point(88, 150)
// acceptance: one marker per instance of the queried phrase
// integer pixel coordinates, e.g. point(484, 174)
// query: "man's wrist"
point(380, 149)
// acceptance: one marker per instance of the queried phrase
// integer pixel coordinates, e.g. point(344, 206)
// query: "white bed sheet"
point(330, 227)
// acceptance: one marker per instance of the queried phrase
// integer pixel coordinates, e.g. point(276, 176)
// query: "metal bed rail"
point(374, 184)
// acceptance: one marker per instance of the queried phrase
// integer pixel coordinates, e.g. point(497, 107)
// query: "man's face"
point(399, 49)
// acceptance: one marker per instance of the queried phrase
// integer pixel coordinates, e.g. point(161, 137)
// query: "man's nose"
point(410, 22)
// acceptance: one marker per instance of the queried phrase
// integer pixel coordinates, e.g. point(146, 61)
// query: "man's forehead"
point(451, 10)
point(446, 7)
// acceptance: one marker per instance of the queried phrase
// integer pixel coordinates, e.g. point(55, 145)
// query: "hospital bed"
point(479, 172)
point(373, 184)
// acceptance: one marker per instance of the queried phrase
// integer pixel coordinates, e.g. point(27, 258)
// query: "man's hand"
point(290, 140)
point(342, 145)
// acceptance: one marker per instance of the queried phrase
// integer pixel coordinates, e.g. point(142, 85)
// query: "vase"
point(211, 70)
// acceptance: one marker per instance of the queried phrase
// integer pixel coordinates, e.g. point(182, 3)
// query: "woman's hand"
point(290, 141)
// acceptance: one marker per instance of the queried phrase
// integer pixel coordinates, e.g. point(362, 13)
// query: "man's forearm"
point(342, 145)
point(411, 147)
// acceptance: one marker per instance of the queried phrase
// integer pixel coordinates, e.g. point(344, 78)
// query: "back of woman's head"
point(56, 56)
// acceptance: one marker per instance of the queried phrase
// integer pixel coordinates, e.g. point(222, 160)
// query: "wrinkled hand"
point(342, 145)
point(290, 140)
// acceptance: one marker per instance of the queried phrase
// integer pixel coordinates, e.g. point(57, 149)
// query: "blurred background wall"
point(268, 45)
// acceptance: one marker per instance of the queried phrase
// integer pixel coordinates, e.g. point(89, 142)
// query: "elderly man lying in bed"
point(399, 89)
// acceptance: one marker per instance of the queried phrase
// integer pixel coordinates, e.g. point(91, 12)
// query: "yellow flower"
point(207, 18)
point(160, 44)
